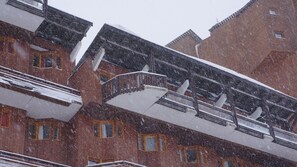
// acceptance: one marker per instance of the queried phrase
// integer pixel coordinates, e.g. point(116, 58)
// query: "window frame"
point(51, 125)
point(152, 136)
point(6, 43)
point(99, 130)
point(279, 34)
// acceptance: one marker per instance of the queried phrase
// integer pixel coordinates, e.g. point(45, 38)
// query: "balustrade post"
point(230, 97)
point(194, 94)
point(268, 117)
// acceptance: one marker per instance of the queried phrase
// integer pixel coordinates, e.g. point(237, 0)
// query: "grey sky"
point(159, 21)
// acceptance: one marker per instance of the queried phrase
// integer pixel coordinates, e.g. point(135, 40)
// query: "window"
point(228, 163)
point(272, 12)
point(103, 79)
point(191, 154)
point(106, 130)
point(120, 129)
point(36, 61)
point(162, 142)
point(32, 131)
point(103, 129)
point(140, 142)
point(279, 34)
point(56, 133)
point(48, 62)
point(58, 63)
point(4, 117)
point(150, 143)
point(43, 132)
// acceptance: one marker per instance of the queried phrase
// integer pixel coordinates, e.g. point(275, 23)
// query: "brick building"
point(260, 39)
point(129, 102)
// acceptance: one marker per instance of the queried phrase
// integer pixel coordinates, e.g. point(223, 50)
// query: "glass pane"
point(32, 130)
point(46, 132)
point(95, 128)
point(191, 155)
point(140, 142)
point(150, 144)
point(161, 144)
point(48, 62)
point(58, 63)
point(106, 130)
point(36, 61)
point(56, 133)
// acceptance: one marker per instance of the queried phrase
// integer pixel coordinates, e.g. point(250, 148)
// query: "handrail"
point(243, 121)
point(7, 72)
point(131, 82)
point(116, 163)
point(28, 159)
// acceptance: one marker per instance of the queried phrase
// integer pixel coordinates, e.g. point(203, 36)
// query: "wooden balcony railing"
point(131, 82)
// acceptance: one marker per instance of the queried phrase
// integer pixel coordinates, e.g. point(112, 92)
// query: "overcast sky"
point(159, 21)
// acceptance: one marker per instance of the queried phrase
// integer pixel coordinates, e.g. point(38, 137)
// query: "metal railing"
point(131, 82)
point(224, 116)
point(117, 164)
point(27, 160)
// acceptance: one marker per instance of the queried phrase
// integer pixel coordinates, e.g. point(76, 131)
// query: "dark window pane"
point(95, 128)
point(46, 132)
point(36, 61)
point(191, 155)
point(58, 63)
point(32, 131)
point(48, 61)
point(56, 133)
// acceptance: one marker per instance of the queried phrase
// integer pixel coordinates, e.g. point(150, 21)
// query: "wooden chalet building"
point(128, 102)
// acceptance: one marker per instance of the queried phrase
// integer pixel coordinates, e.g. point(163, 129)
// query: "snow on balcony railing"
point(131, 82)
point(285, 138)
point(117, 164)
point(223, 117)
point(34, 3)
point(38, 85)
point(27, 160)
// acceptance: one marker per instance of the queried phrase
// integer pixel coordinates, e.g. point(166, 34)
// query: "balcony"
point(121, 163)
point(147, 94)
point(41, 99)
point(135, 91)
point(10, 159)
point(26, 14)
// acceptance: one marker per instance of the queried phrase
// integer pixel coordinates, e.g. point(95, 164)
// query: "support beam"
point(146, 68)
point(256, 114)
point(193, 89)
point(183, 88)
point(221, 101)
point(97, 59)
point(230, 96)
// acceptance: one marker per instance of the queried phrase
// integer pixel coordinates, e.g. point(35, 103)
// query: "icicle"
point(183, 88)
